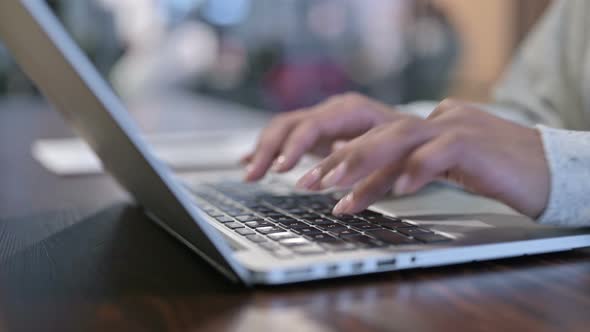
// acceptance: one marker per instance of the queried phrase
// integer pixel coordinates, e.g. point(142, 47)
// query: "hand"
point(290, 135)
point(459, 142)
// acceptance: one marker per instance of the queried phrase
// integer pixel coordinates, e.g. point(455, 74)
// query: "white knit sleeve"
point(568, 155)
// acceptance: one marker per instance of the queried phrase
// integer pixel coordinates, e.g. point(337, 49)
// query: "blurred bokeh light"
point(288, 54)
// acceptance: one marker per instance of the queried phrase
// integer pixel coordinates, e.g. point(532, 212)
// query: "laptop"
point(252, 233)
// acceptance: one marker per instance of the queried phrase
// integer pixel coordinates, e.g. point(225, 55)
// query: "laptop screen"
point(71, 83)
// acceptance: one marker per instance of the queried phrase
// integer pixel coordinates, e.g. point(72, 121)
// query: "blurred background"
point(280, 55)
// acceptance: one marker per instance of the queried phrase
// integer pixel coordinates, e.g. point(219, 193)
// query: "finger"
point(300, 141)
point(246, 159)
point(331, 169)
point(311, 179)
point(378, 150)
point(444, 106)
point(337, 145)
point(269, 145)
point(429, 162)
point(368, 191)
point(330, 120)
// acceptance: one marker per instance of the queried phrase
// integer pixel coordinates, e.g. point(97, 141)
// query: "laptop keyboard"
point(303, 224)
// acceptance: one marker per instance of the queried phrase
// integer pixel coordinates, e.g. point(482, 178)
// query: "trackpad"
point(440, 199)
point(456, 228)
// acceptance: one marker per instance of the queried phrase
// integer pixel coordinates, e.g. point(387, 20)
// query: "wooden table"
point(75, 256)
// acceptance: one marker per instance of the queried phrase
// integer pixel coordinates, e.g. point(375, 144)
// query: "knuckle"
point(447, 106)
point(379, 129)
point(457, 139)
point(285, 118)
point(422, 161)
point(351, 98)
point(405, 127)
point(277, 120)
point(351, 153)
point(455, 117)
point(265, 144)
point(448, 103)
point(356, 157)
point(461, 111)
point(308, 127)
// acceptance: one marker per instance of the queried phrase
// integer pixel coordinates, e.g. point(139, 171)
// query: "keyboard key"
point(368, 214)
point(308, 250)
point(215, 213)
point(235, 212)
point(295, 225)
point(273, 214)
point(225, 219)
point(248, 218)
point(285, 207)
point(350, 222)
point(390, 237)
point(366, 226)
point(346, 218)
point(334, 228)
point(348, 232)
point(262, 209)
point(294, 242)
point(325, 211)
point(307, 231)
point(366, 241)
point(234, 225)
point(306, 216)
point(245, 231)
point(286, 221)
point(269, 230)
point(415, 230)
point(270, 246)
point(282, 217)
point(394, 224)
point(319, 221)
point(257, 238)
point(379, 217)
point(281, 236)
point(390, 223)
point(322, 237)
point(296, 210)
point(256, 224)
point(318, 206)
point(253, 204)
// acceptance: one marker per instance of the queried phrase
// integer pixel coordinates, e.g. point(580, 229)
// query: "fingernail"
point(249, 170)
point(343, 205)
point(334, 176)
point(402, 185)
point(309, 179)
point(279, 163)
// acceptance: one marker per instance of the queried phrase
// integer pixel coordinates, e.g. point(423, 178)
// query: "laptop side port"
point(357, 267)
point(384, 264)
point(332, 270)
point(298, 273)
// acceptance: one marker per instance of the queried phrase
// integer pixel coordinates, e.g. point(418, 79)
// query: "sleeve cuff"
point(568, 155)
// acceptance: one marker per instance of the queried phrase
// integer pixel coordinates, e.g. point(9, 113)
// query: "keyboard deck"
point(302, 224)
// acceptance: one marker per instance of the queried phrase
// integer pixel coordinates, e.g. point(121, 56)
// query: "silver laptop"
point(252, 233)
